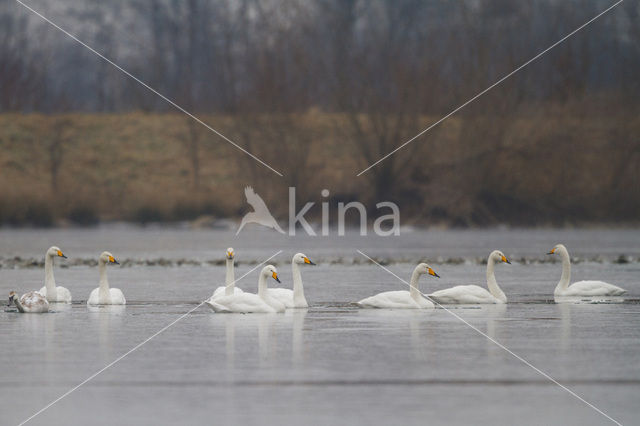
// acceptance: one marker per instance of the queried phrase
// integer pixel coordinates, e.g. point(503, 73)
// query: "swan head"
point(424, 268)
point(498, 256)
point(107, 257)
point(301, 259)
point(12, 296)
point(230, 253)
point(270, 271)
point(55, 252)
point(558, 248)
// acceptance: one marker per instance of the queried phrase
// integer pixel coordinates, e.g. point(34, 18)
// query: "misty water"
point(332, 363)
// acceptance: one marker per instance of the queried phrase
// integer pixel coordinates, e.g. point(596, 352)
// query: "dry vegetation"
point(320, 90)
point(542, 165)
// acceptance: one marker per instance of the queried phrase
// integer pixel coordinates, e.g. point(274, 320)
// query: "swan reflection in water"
point(108, 318)
point(298, 352)
point(496, 325)
point(267, 326)
point(416, 321)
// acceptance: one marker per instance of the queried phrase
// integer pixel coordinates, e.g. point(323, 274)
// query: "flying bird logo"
point(260, 214)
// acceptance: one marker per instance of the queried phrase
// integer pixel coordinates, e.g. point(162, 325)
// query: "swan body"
point(241, 303)
point(250, 302)
point(104, 295)
point(591, 288)
point(580, 288)
point(474, 294)
point(32, 302)
point(230, 282)
point(399, 299)
point(293, 298)
point(402, 299)
point(50, 291)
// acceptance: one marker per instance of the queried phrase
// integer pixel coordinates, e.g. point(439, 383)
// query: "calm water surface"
point(329, 364)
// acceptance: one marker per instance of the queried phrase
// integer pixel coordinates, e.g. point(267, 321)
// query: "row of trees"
point(239, 56)
point(380, 70)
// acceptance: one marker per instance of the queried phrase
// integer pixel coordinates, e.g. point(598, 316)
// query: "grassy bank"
point(531, 168)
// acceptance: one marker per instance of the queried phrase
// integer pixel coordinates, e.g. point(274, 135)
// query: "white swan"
point(50, 291)
point(293, 298)
point(103, 295)
point(580, 288)
point(230, 281)
point(473, 294)
point(249, 302)
point(32, 302)
point(402, 299)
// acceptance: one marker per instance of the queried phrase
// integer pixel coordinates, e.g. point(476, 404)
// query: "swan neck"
point(413, 290)
point(566, 271)
point(492, 283)
point(262, 286)
point(49, 280)
point(16, 300)
point(298, 289)
point(229, 279)
point(104, 282)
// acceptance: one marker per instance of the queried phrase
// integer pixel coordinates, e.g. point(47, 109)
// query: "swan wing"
point(64, 295)
point(241, 303)
point(93, 297)
point(34, 302)
point(282, 295)
point(277, 305)
point(219, 292)
point(400, 299)
point(117, 297)
point(593, 288)
point(256, 201)
point(464, 294)
point(216, 307)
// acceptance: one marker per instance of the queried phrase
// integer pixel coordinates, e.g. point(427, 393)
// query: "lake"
point(332, 363)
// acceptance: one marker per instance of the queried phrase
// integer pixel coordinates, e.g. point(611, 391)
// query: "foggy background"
point(320, 90)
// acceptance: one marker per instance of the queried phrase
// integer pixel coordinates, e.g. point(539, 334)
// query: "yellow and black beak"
point(230, 255)
point(275, 277)
point(553, 251)
point(433, 273)
point(113, 260)
point(308, 262)
point(10, 300)
point(505, 260)
point(60, 254)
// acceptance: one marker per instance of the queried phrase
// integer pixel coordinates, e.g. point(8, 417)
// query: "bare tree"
point(56, 149)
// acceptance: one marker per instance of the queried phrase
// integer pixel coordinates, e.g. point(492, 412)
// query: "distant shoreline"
point(231, 224)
